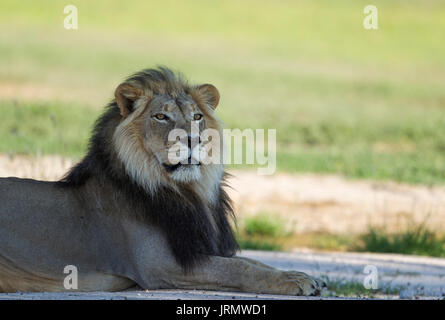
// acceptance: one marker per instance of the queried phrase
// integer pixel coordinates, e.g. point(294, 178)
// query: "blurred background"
point(359, 114)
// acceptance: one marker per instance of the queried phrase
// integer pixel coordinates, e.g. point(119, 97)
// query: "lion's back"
point(20, 197)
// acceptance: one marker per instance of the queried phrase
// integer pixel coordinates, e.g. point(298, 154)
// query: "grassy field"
point(365, 104)
point(266, 232)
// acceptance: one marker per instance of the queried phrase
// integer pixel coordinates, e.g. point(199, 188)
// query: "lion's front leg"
point(154, 267)
point(245, 275)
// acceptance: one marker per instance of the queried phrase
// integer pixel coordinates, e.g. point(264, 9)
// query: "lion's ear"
point(209, 95)
point(126, 94)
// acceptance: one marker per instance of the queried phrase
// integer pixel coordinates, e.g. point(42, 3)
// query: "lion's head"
point(152, 103)
point(128, 163)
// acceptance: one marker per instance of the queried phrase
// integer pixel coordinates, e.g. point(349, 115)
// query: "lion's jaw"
point(186, 173)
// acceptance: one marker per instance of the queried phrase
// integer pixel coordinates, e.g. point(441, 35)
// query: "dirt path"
point(331, 203)
point(405, 277)
point(307, 202)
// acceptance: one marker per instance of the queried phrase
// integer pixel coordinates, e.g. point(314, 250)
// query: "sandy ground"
point(331, 203)
point(308, 203)
point(410, 277)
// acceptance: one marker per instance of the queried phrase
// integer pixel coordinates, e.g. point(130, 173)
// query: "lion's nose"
point(190, 142)
point(193, 144)
point(193, 141)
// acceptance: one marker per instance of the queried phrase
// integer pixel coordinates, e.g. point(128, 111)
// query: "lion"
point(127, 216)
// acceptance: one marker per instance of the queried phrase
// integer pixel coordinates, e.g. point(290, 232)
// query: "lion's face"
point(165, 114)
point(146, 139)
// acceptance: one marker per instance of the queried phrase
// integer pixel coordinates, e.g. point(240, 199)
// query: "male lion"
point(125, 215)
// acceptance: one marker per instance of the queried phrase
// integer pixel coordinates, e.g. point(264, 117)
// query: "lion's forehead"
point(182, 106)
point(187, 105)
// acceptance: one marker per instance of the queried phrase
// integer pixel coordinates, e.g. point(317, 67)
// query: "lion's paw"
point(301, 284)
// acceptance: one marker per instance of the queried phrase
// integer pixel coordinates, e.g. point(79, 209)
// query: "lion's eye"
point(160, 116)
point(197, 116)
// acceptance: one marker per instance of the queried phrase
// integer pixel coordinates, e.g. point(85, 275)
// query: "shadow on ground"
point(399, 276)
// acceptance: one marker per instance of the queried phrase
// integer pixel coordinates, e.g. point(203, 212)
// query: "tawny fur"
point(125, 216)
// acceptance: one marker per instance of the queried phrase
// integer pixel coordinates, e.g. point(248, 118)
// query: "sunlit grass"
point(263, 231)
point(344, 100)
point(415, 239)
point(38, 128)
point(266, 231)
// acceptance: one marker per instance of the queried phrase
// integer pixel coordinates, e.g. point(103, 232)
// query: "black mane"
point(182, 217)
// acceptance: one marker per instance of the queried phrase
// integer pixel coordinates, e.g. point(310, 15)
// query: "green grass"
point(37, 128)
point(344, 100)
point(351, 288)
point(416, 240)
point(259, 243)
point(324, 241)
point(264, 224)
point(265, 231)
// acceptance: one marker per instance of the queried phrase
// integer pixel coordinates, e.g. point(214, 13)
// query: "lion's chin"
point(186, 173)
